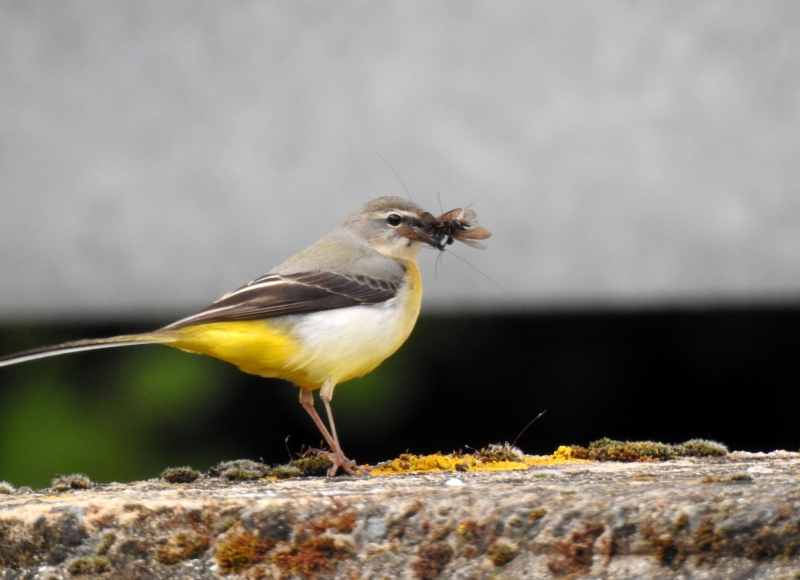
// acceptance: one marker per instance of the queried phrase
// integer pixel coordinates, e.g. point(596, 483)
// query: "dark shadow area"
point(730, 375)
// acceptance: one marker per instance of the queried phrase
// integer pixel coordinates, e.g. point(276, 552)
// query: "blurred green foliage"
point(50, 422)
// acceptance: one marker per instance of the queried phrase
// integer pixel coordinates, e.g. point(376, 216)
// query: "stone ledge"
point(734, 517)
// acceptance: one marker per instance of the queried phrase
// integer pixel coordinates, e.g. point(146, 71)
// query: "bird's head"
point(393, 226)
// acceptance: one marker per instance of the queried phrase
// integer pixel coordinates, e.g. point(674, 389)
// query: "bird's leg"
point(326, 394)
point(336, 456)
point(307, 400)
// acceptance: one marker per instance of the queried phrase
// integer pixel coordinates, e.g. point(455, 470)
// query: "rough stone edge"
point(715, 518)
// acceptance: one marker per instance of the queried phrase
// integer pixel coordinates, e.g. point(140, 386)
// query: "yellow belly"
point(312, 349)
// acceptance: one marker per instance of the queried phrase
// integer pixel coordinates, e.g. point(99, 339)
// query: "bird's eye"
point(394, 220)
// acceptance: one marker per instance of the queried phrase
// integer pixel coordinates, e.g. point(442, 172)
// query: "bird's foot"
point(347, 465)
point(339, 460)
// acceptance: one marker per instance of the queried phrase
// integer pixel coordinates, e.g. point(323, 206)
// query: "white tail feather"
point(82, 345)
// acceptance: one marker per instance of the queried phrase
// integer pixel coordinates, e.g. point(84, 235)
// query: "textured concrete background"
point(154, 155)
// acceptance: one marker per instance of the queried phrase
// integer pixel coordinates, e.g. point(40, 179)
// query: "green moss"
point(285, 472)
point(74, 481)
point(701, 448)
point(182, 546)
point(106, 542)
point(312, 465)
point(225, 524)
point(501, 553)
point(179, 475)
point(91, 565)
point(80, 566)
point(240, 470)
point(578, 452)
point(494, 453)
point(537, 514)
point(610, 450)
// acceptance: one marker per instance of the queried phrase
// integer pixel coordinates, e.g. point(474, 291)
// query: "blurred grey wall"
point(156, 154)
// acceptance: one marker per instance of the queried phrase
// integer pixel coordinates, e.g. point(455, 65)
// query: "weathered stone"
point(691, 518)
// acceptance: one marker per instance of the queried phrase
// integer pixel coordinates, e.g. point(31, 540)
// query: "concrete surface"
point(155, 155)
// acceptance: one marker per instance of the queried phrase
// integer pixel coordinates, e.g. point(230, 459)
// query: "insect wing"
point(453, 225)
point(468, 216)
point(471, 243)
point(450, 215)
point(418, 235)
point(473, 234)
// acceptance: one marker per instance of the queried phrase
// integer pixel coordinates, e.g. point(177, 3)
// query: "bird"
point(331, 313)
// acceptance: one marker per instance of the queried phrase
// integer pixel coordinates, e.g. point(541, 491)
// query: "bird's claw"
point(338, 460)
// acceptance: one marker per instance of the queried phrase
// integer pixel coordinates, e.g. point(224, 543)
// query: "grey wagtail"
point(329, 314)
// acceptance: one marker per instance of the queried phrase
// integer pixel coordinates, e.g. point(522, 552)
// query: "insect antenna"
point(474, 201)
point(439, 262)
point(397, 175)
point(452, 253)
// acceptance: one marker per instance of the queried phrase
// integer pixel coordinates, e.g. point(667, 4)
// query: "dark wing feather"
point(282, 294)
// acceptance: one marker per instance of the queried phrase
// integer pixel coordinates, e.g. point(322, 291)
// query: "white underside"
point(351, 340)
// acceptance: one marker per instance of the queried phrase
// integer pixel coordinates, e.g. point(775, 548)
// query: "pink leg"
point(336, 456)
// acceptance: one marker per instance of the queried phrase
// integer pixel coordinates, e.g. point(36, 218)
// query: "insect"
point(457, 224)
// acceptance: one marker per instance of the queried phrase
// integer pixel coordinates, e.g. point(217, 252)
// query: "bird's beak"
point(419, 231)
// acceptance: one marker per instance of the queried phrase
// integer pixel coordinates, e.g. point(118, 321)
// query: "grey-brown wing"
point(282, 294)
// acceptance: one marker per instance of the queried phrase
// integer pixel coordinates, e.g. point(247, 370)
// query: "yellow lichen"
point(561, 455)
point(564, 452)
point(437, 463)
point(409, 463)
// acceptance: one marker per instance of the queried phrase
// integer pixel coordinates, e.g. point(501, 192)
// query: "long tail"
point(88, 344)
